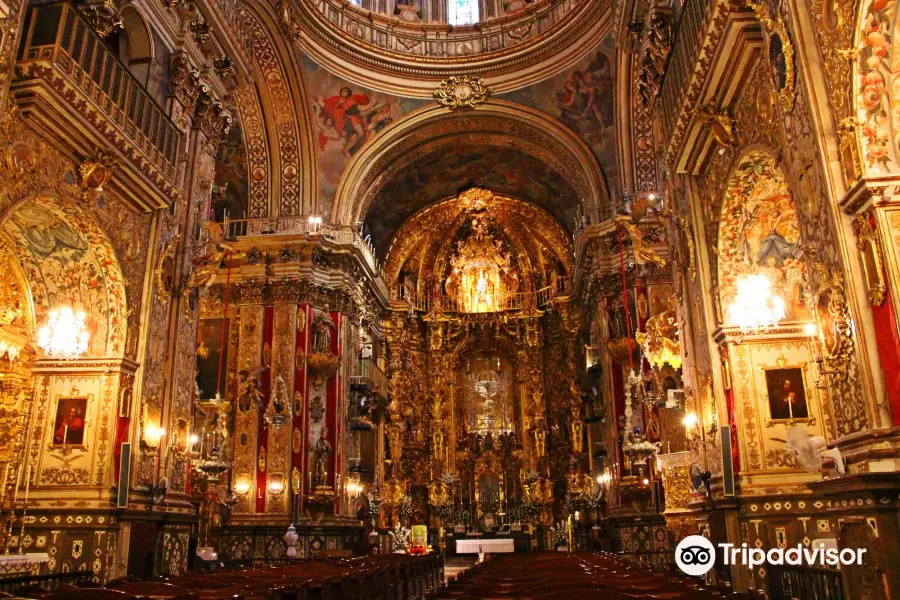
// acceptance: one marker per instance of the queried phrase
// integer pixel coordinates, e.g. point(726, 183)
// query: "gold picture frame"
point(779, 53)
point(68, 430)
point(786, 394)
point(872, 258)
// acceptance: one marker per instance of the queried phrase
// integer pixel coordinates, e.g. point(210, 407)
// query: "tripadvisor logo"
point(696, 555)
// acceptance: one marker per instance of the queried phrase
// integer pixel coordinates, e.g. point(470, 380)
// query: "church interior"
point(448, 298)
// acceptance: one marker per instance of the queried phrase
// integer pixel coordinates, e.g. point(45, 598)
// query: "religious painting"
point(778, 61)
point(786, 394)
point(346, 116)
point(582, 97)
point(515, 6)
point(211, 353)
point(69, 261)
point(759, 234)
point(68, 425)
point(230, 184)
point(781, 61)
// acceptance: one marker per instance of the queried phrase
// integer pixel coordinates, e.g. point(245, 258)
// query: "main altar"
point(485, 435)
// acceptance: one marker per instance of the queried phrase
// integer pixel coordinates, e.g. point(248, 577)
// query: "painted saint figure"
point(70, 429)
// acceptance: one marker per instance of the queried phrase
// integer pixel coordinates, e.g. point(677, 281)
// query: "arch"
point(67, 259)
point(496, 124)
point(135, 43)
point(758, 232)
point(283, 98)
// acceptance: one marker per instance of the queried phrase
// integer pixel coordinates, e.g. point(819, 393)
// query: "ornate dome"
point(408, 48)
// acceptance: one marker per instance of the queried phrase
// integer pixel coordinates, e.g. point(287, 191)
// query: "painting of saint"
point(210, 379)
point(585, 101)
point(68, 428)
point(350, 120)
point(787, 396)
point(778, 60)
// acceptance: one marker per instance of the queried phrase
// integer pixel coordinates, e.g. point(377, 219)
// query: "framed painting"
point(786, 395)
point(70, 422)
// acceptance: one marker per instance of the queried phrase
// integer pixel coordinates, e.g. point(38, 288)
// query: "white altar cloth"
point(484, 546)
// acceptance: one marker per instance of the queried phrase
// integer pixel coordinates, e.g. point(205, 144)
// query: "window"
point(463, 12)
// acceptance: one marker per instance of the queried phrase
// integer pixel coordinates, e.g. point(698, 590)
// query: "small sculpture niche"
point(322, 327)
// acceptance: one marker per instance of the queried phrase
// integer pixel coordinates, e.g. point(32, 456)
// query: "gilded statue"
point(540, 438)
point(323, 449)
point(206, 267)
point(643, 253)
point(248, 391)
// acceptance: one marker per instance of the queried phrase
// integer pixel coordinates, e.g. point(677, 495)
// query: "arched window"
point(463, 12)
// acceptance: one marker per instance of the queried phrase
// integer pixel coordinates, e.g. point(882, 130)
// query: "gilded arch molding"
point(496, 123)
point(283, 100)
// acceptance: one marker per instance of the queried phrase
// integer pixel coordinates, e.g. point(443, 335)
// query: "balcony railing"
point(369, 373)
point(236, 228)
point(58, 34)
point(692, 25)
point(440, 40)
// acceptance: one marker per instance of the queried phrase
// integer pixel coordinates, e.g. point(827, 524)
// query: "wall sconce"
point(815, 352)
point(276, 483)
point(153, 435)
point(696, 434)
point(242, 486)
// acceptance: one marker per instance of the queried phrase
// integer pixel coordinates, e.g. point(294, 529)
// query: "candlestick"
point(65, 434)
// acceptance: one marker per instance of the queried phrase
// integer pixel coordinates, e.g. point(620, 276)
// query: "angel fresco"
point(349, 120)
point(586, 99)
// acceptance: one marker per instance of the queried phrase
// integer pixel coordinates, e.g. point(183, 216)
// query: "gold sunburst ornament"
point(462, 92)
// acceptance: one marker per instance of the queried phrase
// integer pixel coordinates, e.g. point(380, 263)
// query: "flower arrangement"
point(406, 509)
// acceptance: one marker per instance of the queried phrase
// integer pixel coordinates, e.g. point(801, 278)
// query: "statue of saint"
point(323, 449)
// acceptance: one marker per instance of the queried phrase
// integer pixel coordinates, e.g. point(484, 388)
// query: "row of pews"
point(381, 577)
point(560, 576)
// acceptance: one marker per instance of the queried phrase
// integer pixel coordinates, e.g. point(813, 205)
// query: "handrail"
point(302, 225)
point(695, 15)
point(59, 33)
point(511, 302)
point(368, 369)
point(442, 40)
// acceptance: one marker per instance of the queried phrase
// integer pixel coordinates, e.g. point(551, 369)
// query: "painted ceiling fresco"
point(345, 117)
point(582, 97)
point(68, 260)
point(759, 233)
point(504, 171)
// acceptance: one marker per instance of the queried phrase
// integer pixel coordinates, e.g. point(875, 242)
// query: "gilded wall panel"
point(279, 448)
point(247, 418)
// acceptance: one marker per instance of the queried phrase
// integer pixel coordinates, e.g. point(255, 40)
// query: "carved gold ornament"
point(462, 92)
point(719, 123)
point(164, 274)
point(834, 326)
point(95, 173)
point(660, 341)
point(779, 52)
point(872, 258)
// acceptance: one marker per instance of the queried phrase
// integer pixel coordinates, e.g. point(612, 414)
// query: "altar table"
point(494, 546)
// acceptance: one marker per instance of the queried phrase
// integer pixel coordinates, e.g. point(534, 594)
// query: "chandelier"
point(756, 308)
point(64, 336)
